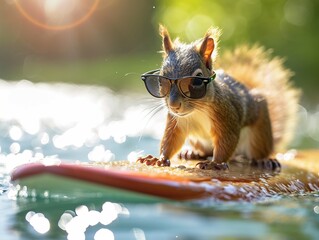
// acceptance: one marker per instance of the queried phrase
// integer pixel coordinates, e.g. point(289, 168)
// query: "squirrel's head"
point(181, 60)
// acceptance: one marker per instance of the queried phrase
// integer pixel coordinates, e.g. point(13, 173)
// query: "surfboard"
point(125, 181)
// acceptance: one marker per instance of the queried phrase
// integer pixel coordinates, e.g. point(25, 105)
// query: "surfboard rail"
point(298, 176)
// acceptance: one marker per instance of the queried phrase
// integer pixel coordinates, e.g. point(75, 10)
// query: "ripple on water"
point(71, 122)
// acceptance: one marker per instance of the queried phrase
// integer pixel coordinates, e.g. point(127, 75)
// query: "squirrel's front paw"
point(210, 165)
point(149, 160)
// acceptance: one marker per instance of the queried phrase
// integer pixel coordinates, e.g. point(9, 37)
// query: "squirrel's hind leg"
point(261, 140)
point(202, 151)
point(199, 150)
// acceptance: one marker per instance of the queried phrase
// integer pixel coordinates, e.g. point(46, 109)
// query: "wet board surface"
point(130, 182)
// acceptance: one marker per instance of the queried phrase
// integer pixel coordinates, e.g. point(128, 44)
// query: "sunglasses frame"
point(206, 80)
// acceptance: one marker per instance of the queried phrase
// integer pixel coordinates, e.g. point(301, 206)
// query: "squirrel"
point(247, 108)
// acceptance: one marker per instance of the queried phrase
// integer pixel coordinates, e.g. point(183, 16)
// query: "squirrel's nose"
point(175, 105)
point(174, 99)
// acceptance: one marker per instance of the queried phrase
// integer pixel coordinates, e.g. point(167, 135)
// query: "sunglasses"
point(192, 87)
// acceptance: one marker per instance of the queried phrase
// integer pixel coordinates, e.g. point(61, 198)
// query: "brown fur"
point(255, 68)
point(173, 138)
point(257, 100)
point(261, 141)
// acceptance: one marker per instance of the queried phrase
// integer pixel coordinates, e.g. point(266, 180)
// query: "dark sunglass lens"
point(157, 86)
point(193, 87)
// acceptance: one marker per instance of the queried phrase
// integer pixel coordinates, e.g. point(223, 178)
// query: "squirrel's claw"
point(149, 160)
point(210, 165)
point(270, 164)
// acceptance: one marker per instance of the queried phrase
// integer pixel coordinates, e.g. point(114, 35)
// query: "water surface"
point(89, 123)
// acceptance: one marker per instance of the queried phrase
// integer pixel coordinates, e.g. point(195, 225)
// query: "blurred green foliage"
point(289, 27)
point(118, 73)
point(120, 41)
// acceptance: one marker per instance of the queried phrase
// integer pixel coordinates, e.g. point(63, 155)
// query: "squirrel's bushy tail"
point(256, 69)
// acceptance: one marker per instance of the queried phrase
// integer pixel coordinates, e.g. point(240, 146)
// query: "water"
point(69, 122)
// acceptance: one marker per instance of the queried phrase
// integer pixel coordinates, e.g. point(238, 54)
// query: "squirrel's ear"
point(206, 49)
point(167, 43)
point(207, 46)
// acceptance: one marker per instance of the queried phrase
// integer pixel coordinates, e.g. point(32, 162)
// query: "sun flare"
point(57, 14)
